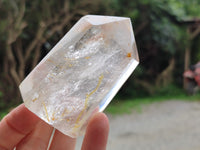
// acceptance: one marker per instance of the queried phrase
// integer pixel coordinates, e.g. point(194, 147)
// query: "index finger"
point(15, 126)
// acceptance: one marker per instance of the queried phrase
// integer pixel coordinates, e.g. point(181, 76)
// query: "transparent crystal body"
point(82, 73)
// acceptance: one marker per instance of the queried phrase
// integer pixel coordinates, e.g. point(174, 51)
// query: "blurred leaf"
point(1, 94)
point(3, 25)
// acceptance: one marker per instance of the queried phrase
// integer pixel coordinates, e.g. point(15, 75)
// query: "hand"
point(25, 131)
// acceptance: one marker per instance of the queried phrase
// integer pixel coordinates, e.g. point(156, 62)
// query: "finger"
point(62, 142)
point(97, 133)
point(38, 139)
point(15, 126)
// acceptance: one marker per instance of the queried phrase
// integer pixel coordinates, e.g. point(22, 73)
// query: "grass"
point(3, 113)
point(127, 106)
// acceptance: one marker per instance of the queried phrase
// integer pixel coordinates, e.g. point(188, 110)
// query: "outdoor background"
point(167, 34)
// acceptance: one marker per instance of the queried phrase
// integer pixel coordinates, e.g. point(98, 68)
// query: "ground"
point(168, 125)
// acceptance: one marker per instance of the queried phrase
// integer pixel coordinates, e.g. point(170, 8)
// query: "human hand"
point(25, 131)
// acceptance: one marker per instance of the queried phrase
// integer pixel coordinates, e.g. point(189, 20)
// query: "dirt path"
point(169, 125)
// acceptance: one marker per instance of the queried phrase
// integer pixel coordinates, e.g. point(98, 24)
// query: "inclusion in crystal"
point(82, 73)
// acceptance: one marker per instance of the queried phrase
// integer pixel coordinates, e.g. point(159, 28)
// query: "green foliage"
point(166, 34)
point(2, 103)
point(169, 91)
point(183, 8)
point(1, 94)
point(3, 114)
point(129, 105)
point(196, 51)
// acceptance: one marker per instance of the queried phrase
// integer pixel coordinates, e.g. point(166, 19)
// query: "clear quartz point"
point(82, 73)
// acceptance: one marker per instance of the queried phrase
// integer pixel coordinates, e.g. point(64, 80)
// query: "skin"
point(25, 131)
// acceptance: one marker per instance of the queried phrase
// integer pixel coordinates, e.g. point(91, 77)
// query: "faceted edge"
point(100, 20)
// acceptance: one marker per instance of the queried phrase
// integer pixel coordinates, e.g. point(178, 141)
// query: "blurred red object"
point(192, 78)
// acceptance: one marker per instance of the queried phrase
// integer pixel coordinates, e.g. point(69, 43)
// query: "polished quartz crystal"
point(82, 73)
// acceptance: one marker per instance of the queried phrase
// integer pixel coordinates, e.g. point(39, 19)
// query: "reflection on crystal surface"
point(82, 73)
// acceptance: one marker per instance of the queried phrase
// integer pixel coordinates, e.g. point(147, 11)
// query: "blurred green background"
point(167, 33)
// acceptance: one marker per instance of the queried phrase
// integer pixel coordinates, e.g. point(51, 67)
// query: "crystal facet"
point(82, 73)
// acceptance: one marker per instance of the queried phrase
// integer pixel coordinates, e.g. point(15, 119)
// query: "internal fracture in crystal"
point(82, 73)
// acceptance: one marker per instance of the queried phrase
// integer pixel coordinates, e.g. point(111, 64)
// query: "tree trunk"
point(187, 57)
point(166, 76)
